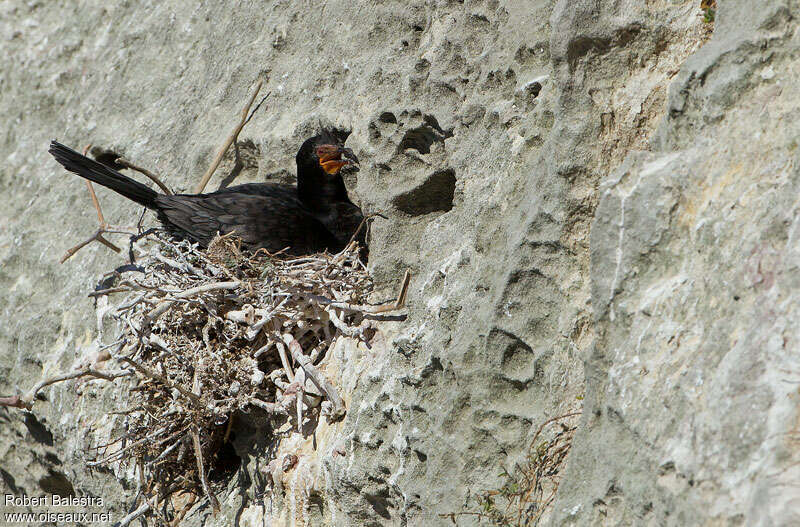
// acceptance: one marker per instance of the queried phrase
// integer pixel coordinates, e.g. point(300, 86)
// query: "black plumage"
point(314, 216)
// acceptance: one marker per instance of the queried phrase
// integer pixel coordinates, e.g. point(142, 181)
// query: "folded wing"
point(271, 222)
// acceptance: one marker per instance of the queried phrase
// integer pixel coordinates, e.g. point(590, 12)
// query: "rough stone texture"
point(692, 395)
point(496, 137)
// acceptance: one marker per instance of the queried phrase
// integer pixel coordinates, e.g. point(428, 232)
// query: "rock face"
point(691, 380)
point(597, 199)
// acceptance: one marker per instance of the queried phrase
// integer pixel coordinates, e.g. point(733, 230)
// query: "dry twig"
point(198, 455)
point(142, 509)
point(228, 142)
point(179, 517)
point(102, 229)
point(26, 401)
point(105, 228)
point(317, 378)
point(127, 164)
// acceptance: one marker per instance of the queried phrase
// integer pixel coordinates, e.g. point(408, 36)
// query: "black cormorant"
point(314, 216)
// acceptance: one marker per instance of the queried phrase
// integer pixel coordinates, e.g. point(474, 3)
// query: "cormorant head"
point(320, 162)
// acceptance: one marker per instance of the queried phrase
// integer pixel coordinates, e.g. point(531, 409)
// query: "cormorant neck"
point(318, 190)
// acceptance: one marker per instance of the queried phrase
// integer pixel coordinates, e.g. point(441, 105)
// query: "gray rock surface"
point(691, 402)
point(593, 196)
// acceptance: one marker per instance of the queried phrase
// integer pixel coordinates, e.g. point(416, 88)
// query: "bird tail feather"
point(103, 175)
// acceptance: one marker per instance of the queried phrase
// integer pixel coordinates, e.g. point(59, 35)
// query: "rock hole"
point(57, 483)
point(524, 54)
point(9, 480)
point(379, 504)
point(478, 20)
point(422, 65)
point(387, 117)
point(666, 468)
point(315, 506)
point(533, 89)
point(225, 463)
point(419, 139)
point(39, 432)
point(374, 133)
point(434, 195)
point(434, 123)
point(613, 490)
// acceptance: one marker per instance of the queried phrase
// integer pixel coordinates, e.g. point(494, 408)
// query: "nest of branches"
point(211, 334)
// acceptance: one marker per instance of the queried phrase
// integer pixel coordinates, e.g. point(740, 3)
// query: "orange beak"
point(330, 158)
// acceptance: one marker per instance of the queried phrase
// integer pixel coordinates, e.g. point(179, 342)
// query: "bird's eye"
point(328, 152)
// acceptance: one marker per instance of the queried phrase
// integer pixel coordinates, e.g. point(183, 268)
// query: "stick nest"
point(212, 334)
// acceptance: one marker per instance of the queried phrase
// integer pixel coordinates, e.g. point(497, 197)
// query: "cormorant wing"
point(271, 222)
